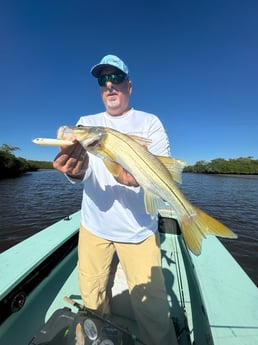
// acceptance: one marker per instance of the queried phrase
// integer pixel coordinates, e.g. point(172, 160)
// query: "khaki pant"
point(141, 263)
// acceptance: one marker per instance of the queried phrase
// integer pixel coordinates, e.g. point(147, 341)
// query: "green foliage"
point(11, 166)
point(9, 148)
point(41, 164)
point(242, 165)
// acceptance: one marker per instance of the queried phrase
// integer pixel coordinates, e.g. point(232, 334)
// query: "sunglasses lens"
point(102, 80)
point(114, 78)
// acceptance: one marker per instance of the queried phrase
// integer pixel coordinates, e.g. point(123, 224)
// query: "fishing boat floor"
point(211, 299)
point(122, 314)
point(48, 296)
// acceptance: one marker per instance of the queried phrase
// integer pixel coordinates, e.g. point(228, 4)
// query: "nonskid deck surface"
point(122, 314)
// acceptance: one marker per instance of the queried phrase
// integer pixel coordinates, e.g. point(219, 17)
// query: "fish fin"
point(174, 166)
point(113, 167)
point(199, 225)
point(140, 140)
point(151, 203)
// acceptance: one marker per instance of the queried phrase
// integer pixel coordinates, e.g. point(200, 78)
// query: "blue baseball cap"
point(109, 60)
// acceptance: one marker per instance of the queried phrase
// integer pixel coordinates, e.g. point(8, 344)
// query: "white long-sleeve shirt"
point(109, 209)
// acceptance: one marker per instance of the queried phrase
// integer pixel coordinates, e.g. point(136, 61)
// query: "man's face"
point(115, 96)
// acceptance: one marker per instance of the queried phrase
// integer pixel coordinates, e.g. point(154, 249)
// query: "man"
point(113, 217)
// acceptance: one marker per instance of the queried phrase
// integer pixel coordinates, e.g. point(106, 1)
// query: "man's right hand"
point(72, 160)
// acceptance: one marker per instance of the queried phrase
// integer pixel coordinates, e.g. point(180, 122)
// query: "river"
point(36, 200)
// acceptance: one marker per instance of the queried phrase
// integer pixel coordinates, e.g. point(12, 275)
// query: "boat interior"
point(32, 293)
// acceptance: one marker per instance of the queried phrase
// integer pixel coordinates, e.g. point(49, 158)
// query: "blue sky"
point(193, 63)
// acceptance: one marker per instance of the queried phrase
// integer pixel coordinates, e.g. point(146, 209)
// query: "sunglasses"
point(115, 78)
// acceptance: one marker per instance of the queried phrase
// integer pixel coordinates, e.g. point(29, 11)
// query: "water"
point(234, 201)
point(36, 200)
point(31, 202)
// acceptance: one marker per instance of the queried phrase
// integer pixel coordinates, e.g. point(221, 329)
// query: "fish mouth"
point(93, 143)
point(90, 139)
point(89, 142)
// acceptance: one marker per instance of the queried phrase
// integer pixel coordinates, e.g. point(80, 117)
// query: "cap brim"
point(96, 70)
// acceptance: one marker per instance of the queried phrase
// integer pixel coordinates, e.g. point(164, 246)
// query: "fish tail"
point(198, 226)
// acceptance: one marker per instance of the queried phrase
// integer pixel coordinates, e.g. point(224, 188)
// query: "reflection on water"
point(234, 201)
point(36, 200)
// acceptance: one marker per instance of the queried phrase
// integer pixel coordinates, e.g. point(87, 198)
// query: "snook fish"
point(157, 175)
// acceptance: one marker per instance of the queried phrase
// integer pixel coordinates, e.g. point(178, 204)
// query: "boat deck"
point(211, 298)
point(230, 296)
point(122, 314)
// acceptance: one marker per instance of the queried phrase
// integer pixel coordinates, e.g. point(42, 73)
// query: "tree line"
point(241, 165)
point(12, 166)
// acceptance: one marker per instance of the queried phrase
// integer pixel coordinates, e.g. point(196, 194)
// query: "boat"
point(212, 299)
